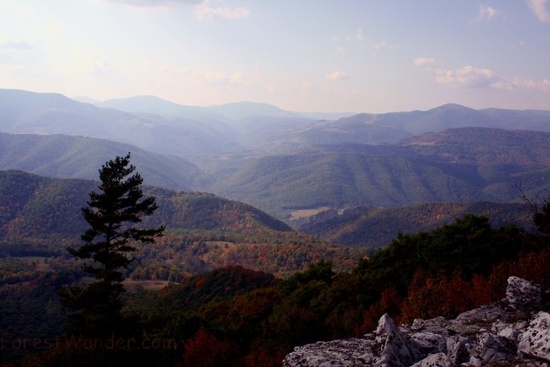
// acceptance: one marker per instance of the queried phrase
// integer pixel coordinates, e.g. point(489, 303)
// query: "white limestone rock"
point(502, 333)
point(535, 341)
point(397, 348)
point(522, 294)
point(354, 352)
point(435, 360)
point(491, 348)
point(457, 349)
point(429, 343)
point(510, 330)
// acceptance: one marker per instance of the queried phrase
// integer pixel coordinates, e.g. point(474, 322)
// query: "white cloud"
point(360, 35)
point(472, 77)
point(540, 9)
point(469, 77)
point(348, 40)
point(337, 75)
point(487, 13)
point(16, 52)
point(383, 45)
point(421, 61)
point(150, 3)
point(205, 12)
point(543, 85)
point(15, 45)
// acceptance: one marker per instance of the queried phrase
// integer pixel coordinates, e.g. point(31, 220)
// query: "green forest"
point(168, 278)
point(251, 318)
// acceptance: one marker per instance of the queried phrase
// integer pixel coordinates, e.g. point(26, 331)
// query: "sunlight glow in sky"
point(300, 55)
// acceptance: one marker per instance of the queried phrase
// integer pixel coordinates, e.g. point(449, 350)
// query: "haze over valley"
point(210, 182)
point(282, 162)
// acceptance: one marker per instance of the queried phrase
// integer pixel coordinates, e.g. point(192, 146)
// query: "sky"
point(300, 55)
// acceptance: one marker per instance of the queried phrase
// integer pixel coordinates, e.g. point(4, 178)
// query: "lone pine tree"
point(112, 215)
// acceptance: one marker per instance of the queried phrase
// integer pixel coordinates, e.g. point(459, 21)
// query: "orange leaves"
point(446, 295)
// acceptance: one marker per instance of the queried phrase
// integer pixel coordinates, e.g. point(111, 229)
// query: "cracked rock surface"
point(510, 332)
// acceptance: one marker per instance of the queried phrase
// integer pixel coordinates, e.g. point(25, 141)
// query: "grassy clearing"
point(305, 213)
point(132, 285)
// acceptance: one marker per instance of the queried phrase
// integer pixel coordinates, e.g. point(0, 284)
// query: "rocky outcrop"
point(510, 332)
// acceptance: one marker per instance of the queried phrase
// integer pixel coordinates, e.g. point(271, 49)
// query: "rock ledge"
point(509, 332)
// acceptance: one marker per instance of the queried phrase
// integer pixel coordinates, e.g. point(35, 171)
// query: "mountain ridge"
point(376, 227)
point(41, 216)
point(283, 162)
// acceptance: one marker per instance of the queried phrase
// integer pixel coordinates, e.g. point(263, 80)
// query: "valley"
point(281, 229)
point(277, 188)
point(282, 162)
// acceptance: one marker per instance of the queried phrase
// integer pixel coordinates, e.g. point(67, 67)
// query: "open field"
point(305, 213)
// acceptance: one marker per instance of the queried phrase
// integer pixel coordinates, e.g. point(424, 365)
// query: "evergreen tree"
point(541, 217)
point(112, 215)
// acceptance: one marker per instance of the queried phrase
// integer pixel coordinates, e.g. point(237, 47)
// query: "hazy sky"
point(300, 55)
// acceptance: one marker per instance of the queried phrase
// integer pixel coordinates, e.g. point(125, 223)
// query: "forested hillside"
point(458, 165)
point(64, 156)
point(249, 318)
point(42, 216)
point(279, 161)
point(376, 227)
point(281, 229)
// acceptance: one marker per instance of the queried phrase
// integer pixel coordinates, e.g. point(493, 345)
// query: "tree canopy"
point(112, 214)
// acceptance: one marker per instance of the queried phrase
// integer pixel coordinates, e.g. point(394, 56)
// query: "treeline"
point(376, 227)
point(29, 305)
point(194, 254)
point(237, 317)
point(43, 217)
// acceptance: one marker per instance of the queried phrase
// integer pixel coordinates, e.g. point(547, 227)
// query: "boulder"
point(522, 294)
point(397, 349)
point(457, 349)
point(508, 332)
point(434, 360)
point(491, 348)
point(337, 353)
point(535, 341)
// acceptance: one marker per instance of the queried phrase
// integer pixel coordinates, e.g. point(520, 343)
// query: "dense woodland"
point(250, 318)
point(418, 214)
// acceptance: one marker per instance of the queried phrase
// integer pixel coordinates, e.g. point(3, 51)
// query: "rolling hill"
point(377, 227)
point(455, 165)
point(280, 161)
point(41, 216)
point(165, 127)
point(66, 156)
point(285, 183)
point(23, 112)
point(40, 206)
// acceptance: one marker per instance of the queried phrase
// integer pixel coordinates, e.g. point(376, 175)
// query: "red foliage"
point(446, 296)
point(205, 350)
point(389, 303)
point(265, 358)
point(534, 267)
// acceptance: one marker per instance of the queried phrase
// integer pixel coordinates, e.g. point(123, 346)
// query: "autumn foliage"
point(234, 316)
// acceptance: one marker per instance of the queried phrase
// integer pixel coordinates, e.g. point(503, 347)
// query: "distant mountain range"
point(281, 161)
point(168, 128)
point(457, 165)
point(66, 156)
